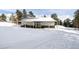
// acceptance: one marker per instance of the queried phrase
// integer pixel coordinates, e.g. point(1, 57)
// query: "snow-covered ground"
point(16, 37)
point(70, 30)
point(7, 24)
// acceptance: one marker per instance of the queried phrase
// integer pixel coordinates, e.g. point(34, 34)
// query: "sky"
point(62, 13)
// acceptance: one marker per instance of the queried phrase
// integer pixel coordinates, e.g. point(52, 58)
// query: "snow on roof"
point(39, 19)
point(7, 24)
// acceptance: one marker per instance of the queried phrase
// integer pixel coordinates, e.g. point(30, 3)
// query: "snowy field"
point(27, 38)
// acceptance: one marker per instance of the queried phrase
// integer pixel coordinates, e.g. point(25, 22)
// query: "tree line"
point(20, 14)
point(68, 22)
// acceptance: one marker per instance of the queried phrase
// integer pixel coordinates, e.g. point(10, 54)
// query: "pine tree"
point(19, 14)
point(67, 22)
point(60, 22)
point(31, 14)
point(76, 18)
point(3, 17)
point(55, 17)
point(24, 13)
point(44, 15)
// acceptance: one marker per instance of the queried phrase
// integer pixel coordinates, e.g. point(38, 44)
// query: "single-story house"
point(38, 22)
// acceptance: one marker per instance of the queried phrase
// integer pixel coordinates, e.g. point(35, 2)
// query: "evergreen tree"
point(54, 16)
point(19, 14)
point(3, 17)
point(31, 13)
point(76, 18)
point(24, 13)
point(44, 15)
point(60, 22)
point(67, 22)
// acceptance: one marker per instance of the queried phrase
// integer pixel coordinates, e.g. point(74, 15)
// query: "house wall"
point(44, 23)
point(48, 23)
point(27, 23)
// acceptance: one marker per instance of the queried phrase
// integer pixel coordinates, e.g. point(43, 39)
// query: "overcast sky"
point(62, 13)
